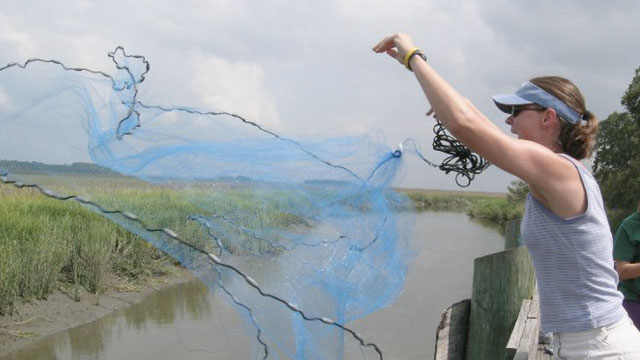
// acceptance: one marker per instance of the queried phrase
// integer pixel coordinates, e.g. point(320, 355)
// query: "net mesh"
point(299, 235)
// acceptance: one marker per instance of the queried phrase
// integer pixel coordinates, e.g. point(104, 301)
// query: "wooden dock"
point(501, 320)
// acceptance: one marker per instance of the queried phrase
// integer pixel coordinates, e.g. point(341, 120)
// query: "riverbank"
point(449, 200)
point(490, 209)
point(178, 318)
point(38, 319)
point(47, 243)
point(62, 265)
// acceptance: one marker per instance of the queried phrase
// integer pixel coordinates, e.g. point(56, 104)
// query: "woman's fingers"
point(396, 55)
point(396, 46)
point(432, 113)
point(384, 44)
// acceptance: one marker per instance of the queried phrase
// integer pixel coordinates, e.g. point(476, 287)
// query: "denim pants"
point(620, 341)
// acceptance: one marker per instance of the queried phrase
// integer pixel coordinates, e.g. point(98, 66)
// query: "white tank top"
point(573, 259)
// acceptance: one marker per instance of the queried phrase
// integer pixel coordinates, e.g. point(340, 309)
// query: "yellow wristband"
point(407, 56)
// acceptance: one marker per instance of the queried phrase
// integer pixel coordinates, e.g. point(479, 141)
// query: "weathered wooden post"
point(486, 327)
point(512, 234)
point(451, 336)
point(501, 281)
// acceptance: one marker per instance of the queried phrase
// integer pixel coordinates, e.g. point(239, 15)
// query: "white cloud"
point(14, 41)
point(306, 67)
point(4, 101)
point(235, 87)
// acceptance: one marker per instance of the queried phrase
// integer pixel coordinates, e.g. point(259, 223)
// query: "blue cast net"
point(299, 235)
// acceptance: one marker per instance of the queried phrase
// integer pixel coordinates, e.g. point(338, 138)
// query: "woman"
point(564, 225)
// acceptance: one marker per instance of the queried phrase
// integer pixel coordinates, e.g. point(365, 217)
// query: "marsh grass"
point(47, 243)
point(496, 211)
point(456, 201)
point(44, 242)
point(490, 209)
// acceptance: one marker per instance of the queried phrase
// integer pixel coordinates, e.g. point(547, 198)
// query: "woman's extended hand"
point(396, 45)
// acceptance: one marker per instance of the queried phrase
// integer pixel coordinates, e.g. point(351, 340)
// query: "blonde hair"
point(576, 140)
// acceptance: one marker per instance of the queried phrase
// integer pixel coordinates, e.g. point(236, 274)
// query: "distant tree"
point(517, 191)
point(631, 98)
point(616, 164)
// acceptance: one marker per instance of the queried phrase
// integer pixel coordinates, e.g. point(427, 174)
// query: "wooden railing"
point(523, 342)
point(500, 321)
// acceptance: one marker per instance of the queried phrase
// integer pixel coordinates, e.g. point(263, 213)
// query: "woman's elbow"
point(466, 124)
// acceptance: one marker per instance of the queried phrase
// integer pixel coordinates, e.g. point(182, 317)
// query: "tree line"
point(616, 163)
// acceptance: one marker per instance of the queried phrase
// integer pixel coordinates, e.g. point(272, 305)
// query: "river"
point(183, 322)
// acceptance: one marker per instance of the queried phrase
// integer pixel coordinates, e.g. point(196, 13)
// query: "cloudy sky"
point(305, 67)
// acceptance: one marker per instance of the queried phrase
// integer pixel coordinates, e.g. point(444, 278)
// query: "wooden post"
point(501, 281)
point(512, 234)
point(451, 336)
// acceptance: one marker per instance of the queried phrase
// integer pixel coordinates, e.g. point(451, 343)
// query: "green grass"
point(46, 242)
point(491, 209)
point(496, 211)
point(457, 201)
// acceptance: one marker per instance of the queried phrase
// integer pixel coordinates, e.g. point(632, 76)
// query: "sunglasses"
point(516, 110)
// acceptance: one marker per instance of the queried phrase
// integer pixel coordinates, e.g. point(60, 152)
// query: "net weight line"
point(215, 260)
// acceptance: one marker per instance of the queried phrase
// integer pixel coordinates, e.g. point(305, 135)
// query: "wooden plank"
point(534, 332)
point(534, 309)
point(520, 355)
point(529, 340)
point(523, 342)
point(451, 336)
point(516, 334)
point(501, 281)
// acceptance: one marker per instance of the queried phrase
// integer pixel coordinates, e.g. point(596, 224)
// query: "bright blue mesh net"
point(298, 234)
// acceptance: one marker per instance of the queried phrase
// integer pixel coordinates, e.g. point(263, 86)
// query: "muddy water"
point(187, 322)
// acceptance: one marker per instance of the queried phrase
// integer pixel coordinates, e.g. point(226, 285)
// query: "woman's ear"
point(550, 117)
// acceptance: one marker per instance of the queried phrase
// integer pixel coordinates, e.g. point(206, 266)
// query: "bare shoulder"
point(563, 192)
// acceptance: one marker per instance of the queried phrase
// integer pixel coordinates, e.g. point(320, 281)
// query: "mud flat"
point(40, 318)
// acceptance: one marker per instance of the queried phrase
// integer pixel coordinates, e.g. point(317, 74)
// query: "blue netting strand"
point(300, 235)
